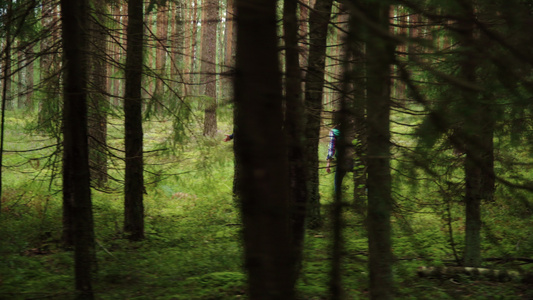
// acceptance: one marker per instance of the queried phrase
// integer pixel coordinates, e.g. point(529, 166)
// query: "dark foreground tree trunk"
point(477, 134)
point(357, 111)
point(380, 54)
point(5, 80)
point(295, 133)
point(314, 82)
point(134, 183)
point(345, 118)
point(76, 185)
point(261, 152)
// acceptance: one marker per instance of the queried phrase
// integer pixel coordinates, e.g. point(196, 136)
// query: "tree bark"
point(295, 133)
point(229, 50)
point(261, 153)
point(359, 125)
point(114, 47)
point(188, 41)
point(355, 85)
point(98, 102)
point(380, 55)
point(6, 67)
point(5, 89)
point(314, 82)
point(304, 32)
point(177, 42)
point(209, 47)
point(477, 134)
point(28, 102)
point(345, 154)
point(49, 72)
point(134, 182)
point(193, 52)
point(161, 56)
point(76, 178)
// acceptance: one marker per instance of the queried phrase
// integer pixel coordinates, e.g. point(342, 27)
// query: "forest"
point(266, 150)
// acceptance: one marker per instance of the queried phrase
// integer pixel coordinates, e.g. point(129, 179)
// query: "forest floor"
point(193, 251)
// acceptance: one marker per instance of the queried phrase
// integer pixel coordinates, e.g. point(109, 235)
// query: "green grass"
point(193, 250)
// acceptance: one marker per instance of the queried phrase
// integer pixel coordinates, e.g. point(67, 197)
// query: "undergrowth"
point(193, 249)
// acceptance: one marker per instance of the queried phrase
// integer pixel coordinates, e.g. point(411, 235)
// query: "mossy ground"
point(193, 250)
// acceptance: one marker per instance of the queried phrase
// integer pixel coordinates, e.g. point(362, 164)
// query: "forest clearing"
point(266, 150)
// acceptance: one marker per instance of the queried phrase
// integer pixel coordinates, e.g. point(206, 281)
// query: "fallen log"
point(524, 260)
point(490, 274)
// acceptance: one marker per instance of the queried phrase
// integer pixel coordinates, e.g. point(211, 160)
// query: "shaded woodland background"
point(113, 115)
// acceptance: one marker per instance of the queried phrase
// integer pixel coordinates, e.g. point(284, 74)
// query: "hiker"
point(334, 137)
point(332, 153)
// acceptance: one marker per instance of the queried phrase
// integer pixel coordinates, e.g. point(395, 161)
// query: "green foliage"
point(24, 19)
point(193, 249)
point(48, 119)
point(216, 285)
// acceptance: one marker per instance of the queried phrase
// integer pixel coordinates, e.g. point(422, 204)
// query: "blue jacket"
point(333, 136)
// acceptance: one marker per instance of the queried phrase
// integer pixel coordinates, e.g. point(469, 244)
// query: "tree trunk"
point(356, 107)
point(134, 183)
point(359, 114)
point(5, 88)
point(161, 56)
point(229, 51)
point(261, 152)
point(314, 83)
point(380, 55)
point(116, 50)
point(193, 52)
point(345, 155)
point(21, 72)
point(49, 72)
point(209, 47)
point(7, 69)
point(29, 83)
point(477, 132)
point(188, 41)
point(473, 172)
point(76, 183)
point(148, 82)
point(48, 110)
point(177, 38)
point(294, 128)
point(304, 32)
point(98, 102)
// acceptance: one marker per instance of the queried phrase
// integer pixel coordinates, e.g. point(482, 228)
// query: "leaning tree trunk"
point(76, 178)
point(134, 183)
point(261, 153)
